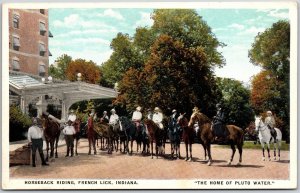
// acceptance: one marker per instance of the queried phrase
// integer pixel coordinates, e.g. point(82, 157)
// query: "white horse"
point(264, 135)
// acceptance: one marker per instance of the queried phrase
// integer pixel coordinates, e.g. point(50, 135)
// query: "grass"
point(251, 145)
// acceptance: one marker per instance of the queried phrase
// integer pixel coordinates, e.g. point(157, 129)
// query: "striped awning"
point(42, 27)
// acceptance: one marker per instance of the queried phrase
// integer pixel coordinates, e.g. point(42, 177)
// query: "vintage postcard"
point(153, 95)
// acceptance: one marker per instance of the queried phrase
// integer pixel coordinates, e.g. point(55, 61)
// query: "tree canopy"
point(59, 71)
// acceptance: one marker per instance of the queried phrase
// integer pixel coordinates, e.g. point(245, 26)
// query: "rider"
point(113, 120)
point(219, 126)
point(173, 119)
point(158, 117)
point(196, 125)
point(270, 122)
point(105, 118)
point(137, 117)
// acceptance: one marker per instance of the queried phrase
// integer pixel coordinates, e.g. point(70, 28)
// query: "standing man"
point(137, 117)
point(69, 132)
point(270, 122)
point(158, 117)
point(35, 138)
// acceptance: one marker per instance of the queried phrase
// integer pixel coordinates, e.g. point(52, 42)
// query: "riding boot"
point(43, 159)
point(68, 150)
point(33, 160)
point(72, 152)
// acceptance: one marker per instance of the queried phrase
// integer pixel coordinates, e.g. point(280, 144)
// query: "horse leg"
point(151, 143)
point(156, 150)
point(47, 144)
point(186, 151)
point(275, 147)
point(90, 145)
point(131, 146)
point(179, 150)
point(232, 154)
point(205, 154)
point(209, 155)
point(240, 148)
point(56, 144)
point(94, 146)
point(52, 149)
point(191, 156)
point(268, 149)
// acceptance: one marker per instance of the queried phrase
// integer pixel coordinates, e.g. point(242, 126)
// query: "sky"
point(87, 33)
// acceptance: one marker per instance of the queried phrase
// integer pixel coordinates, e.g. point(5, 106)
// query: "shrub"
point(18, 124)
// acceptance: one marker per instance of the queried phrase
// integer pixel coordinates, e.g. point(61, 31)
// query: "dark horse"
point(188, 136)
point(155, 134)
point(251, 134)
point(107, 131)
point(127, 132)
point(206, 136)
point(51, 132)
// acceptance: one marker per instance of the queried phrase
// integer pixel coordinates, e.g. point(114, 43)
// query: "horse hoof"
point(274, 158)
point(263, 159)
point(56, 156)
point(190, 160)
point(209, 163)
point(186, 159)
point(229, 163)
point(278, 158)
point(239, 163)
point(269, 159)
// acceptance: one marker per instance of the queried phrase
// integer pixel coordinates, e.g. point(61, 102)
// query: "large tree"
point(59, 70)
point(89, 70)
point(235, 98)
point(271, 51)
point(178, 52)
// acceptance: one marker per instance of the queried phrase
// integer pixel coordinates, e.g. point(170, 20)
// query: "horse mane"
point(201, 117)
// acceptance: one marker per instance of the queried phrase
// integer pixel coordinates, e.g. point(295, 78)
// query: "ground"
point(122, 166)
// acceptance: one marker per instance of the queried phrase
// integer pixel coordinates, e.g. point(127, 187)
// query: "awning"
point(16, 42)
point(42, 48)
point(15, 65)
point(42, 69)
point(50, 34)
point(42, 27)
point(50, 54)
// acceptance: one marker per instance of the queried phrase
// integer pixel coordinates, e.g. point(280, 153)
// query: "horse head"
point(182, 121)
point(258, 123)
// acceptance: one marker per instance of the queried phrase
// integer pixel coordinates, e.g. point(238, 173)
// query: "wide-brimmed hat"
point(269, 112)
point(174, 110)
point(113, 110)
point(139, 108)
point(71, 111)
point(104, 112)
point(156, 109)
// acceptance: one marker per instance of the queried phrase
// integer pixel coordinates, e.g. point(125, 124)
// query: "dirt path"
point(118, 165)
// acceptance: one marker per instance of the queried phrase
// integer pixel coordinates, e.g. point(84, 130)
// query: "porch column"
point(41, 106)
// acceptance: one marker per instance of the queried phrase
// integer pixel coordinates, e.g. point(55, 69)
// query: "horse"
point(91, 135)
point(105, 130)
point(77, 126)
point(175, 134)
point(51, 132)
point(206, 136)
point(155, 134)
point(264, 135)
point(188, 135)
point(127, 131)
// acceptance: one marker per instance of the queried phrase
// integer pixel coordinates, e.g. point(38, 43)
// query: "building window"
point(15, 65)
point(42, 11)
point(42, 28)
point(42, 70)
point(16, 21)
point(42, 49)
point(16, 43)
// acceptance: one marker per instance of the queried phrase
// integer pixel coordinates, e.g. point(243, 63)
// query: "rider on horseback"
point(196, 125)
point(113, 120)
point(173, 119)
point(158, 117)
point(104, 118)
point(270, 122)
point(219, 126)
point(137, 117)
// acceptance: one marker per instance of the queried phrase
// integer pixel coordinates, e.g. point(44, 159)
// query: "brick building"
point(28, 41)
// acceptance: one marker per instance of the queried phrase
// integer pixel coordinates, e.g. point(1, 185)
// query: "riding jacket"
point(35, 132)
point(69, 130)
point(270, 121)
point(113, 119)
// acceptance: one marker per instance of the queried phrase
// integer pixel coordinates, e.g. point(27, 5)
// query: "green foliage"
point(59, 72)
point(235, 98)
point(18, 124)
point(271, 88)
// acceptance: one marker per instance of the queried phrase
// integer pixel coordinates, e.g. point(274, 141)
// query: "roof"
point(33, 86)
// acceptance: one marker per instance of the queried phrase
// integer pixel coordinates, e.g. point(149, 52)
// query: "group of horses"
point(125, 132)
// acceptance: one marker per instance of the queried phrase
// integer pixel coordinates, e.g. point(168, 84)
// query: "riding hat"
point(139, 108)
point(174, 110)
point(156, 109)
point(72, 111)
point(104, 112)
point(113, 110)
point(269, 112)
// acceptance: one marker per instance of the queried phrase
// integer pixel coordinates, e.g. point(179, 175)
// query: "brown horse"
point(206, 136)
point(51, 132)
point(104, 130)
point(76, 125)
point(250, 133)
point(187, 135)
point(91, 135)
point(155, 134)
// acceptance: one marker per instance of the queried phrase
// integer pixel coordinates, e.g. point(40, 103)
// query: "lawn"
point(251, 145)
